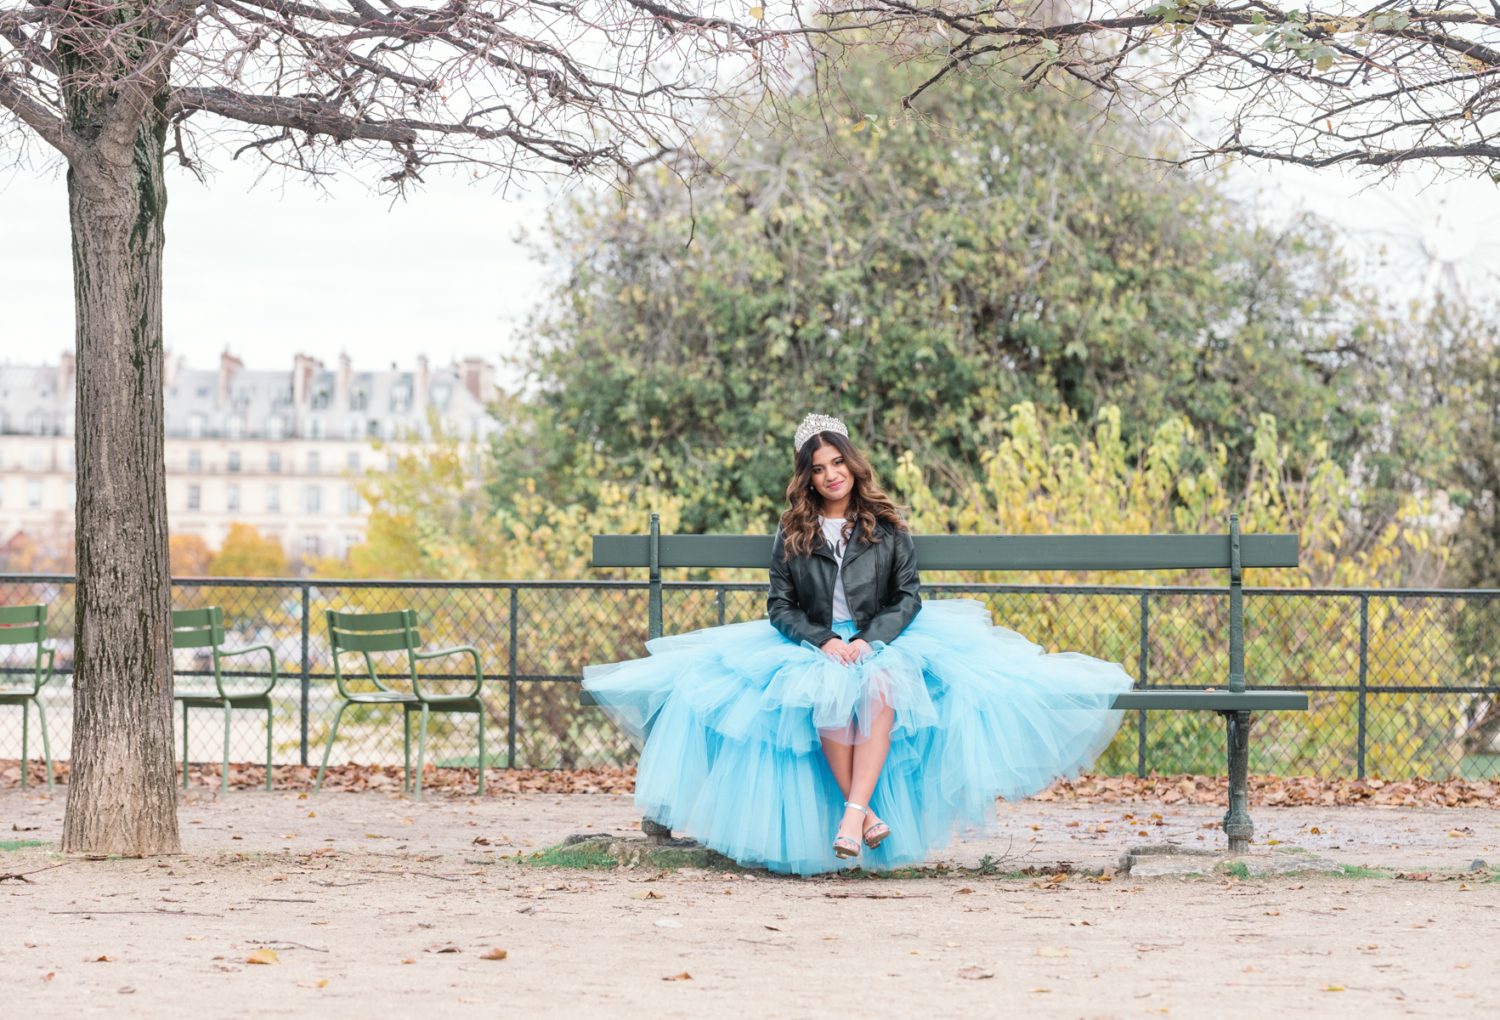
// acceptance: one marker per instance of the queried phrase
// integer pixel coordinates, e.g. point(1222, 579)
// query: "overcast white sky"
point(268, 272)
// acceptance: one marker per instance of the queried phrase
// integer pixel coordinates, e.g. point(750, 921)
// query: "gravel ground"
point(356, 893)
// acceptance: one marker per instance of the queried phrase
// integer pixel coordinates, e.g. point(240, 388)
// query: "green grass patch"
point(1360, 871)
point(1238, 870)
point(21, 844)
point(590, 856)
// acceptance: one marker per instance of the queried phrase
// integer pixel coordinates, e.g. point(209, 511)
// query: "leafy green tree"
point(917, 279)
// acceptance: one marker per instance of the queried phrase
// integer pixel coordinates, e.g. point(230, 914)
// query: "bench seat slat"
point(976, 552)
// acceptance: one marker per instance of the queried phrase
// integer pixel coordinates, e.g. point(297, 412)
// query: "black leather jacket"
point(880, 585)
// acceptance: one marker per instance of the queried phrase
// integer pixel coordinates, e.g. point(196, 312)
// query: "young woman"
point(856, 725)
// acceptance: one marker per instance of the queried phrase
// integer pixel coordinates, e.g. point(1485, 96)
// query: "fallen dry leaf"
point(493, 953)
point(262, 956)
point(127, 990)
point(49, 976)
point(1054, 951)
point(647, 894)
point(955, 945)
point(409, 959)
point(684, 976)
point(312, 984)
point(975, 973)
point(438, 947)
point(100, 959)
point(1333, 988)
point(1273, 913)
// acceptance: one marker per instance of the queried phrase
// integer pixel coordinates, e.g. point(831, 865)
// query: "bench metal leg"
point(1237, 824)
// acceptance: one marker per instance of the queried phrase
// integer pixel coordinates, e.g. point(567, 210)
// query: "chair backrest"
point(198, 628)
point(373, 632)
point(23, 625)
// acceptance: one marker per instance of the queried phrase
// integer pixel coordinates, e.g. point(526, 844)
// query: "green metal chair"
point(204, 628)
point(365, 633)
point(24, 625)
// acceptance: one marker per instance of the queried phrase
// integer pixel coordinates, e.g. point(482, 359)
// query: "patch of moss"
point(591, 856)
point(1360, 871)
point(20, 844)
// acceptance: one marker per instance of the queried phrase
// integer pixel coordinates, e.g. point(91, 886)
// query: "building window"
point(72, 495)
point(36, 423)
point(195, 497)
point(315, 428)
point(400, 399)
point(312, 499)
point(314, 463)
point(373, 431)
point(34, 459)
point(350, 540)
point(351, 499)
point(195, 460)
point(311, 546)
point(273, 499)
point(353, 460)
point(235, 428)
point(234, 463)
point(196, 422)
point(273, 463)
point(354, 428)
point(34, 494)
point(275, 427)
point(234, 499)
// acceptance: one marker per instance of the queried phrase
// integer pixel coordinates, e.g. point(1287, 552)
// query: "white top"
point(833, 534)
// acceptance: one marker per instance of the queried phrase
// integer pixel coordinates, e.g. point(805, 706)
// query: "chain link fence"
point(1402, 683)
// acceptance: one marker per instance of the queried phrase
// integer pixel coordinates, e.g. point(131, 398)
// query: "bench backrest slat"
point(976, 552)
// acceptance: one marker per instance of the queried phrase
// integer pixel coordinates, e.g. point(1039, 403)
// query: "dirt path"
point(345, 888)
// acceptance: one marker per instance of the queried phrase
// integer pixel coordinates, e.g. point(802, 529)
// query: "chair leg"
point(25, 734)
point(224, 781)
point(269, 752)
point(184, 745)
point(41, 711)
point(406, 743)
point(327, 750)
point(481, 749)
point(421, 753)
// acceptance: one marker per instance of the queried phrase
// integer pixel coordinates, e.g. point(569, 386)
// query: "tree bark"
point(122, 797)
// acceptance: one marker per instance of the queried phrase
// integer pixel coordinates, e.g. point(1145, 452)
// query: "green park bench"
point(1234, 552)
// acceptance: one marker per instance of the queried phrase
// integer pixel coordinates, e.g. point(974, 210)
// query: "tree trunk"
point(122, 798)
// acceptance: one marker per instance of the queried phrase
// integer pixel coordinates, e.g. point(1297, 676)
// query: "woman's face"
point(830, 475)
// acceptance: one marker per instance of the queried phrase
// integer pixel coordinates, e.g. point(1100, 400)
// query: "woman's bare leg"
point(856, 768)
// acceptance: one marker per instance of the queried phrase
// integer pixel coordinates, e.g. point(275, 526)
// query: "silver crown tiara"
point(815, 423)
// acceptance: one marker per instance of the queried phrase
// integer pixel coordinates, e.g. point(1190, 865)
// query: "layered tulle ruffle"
point(729, 719)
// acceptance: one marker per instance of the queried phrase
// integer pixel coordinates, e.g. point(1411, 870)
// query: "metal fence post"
point(306, 664)
point(1140, 753)
point(722, 597)
point(1364, 664)
point(510, 740)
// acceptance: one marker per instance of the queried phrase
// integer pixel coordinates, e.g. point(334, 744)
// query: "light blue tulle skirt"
point(729, 721)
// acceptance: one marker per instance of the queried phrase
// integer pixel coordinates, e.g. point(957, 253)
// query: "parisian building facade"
point(281, 451)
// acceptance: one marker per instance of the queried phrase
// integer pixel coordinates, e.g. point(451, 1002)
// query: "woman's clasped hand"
point(849, 653)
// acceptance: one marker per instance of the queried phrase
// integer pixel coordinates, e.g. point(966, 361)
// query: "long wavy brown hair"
point(868, 503)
